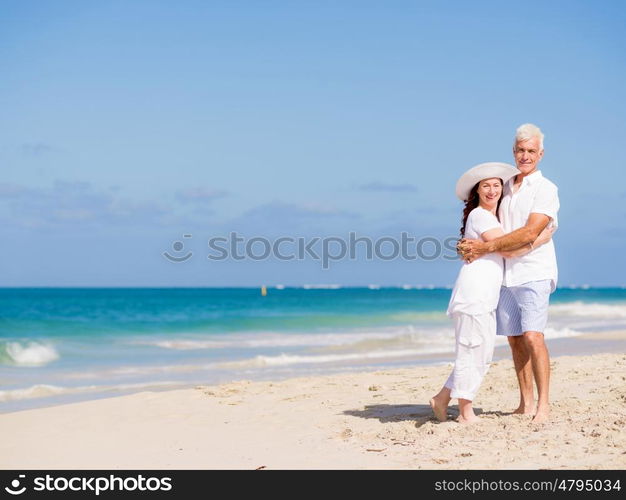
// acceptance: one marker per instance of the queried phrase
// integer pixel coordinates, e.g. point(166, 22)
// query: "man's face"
point(527, 154)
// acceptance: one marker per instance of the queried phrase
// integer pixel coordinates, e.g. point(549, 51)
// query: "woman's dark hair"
point(472, 203)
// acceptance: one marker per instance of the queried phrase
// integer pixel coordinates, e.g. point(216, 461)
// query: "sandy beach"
point(350, 421)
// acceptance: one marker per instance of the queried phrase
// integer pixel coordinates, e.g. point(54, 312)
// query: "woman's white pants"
point(475, 339)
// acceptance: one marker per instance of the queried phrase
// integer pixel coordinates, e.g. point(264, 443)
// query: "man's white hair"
point(528, 131)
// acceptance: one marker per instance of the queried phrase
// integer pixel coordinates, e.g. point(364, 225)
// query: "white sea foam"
point(137, 371)
point(288, 359)
point(45, 390)
point(271, 339)
point(321, 286)
point(558, 333)
point(416, 317)
point(30, 353)
point(408, 345)
point(35, 391)
point(144, 370)
point(278, 341)
point(398, 337)
point(595, 310)
point(185, 345)
point(550, 333)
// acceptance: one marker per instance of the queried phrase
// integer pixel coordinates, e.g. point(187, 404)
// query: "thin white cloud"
point(282, 210)
point(9, 190)
point(73, 202)
point(200, 194)
point(289, 218)
point(382, 187)
point(37, 149)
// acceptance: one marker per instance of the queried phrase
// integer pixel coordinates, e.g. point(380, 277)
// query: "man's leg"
point(524, 371)
point(509, 321)
point(540, 360)
point(533, 298)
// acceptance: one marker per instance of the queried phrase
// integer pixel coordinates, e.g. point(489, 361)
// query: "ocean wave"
point(423, 287)
point(397, 347)
point(397, 336)
point(45, 390)
point(27, 354)
point(558, 333)
point(282, 341)
point(269, 340)
point(290, 359)
point(35, 391)
point(321, 287)
point(586, 309)
point(133, 371)
point(416, 317)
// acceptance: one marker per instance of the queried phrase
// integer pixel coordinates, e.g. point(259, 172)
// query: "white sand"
point(366, 420)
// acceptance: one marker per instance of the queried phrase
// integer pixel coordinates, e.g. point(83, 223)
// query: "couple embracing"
point(508, 274)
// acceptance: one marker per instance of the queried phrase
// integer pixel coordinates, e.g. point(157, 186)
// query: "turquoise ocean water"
point(66, 344)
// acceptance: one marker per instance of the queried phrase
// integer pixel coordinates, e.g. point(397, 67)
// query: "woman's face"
point(489, 192)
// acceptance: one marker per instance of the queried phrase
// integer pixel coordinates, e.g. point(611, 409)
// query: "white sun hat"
point(483, 171)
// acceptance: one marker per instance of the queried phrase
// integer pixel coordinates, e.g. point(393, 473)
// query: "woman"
point(477, 289)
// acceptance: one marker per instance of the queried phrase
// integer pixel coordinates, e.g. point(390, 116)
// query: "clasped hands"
point(470, 250)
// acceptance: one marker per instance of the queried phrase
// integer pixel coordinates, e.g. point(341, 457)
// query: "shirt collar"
point(534, 177)
point(529, 179)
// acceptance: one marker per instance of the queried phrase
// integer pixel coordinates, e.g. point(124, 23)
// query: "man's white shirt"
point(536, 194)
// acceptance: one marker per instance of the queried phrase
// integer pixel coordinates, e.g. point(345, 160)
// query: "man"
point(529, 203)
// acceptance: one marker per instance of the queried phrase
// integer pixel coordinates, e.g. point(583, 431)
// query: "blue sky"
point(125, 125)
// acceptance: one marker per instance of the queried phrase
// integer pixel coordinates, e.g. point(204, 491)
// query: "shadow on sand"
point(420, 414)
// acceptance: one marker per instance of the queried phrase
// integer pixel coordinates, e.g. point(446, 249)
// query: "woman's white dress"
point(472, 307)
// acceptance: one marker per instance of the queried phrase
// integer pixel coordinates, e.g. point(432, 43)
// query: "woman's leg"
point(440, 402)
point(475, 343)
point(466, 412)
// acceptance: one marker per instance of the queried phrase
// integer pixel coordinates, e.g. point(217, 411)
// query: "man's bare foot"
point(440, 409)
point(541, 416)
point(524, 410)
point(468, 420)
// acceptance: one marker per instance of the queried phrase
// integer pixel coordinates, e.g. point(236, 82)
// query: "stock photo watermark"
point(324, 249)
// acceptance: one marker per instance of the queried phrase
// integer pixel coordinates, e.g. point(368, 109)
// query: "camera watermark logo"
point(178, 246)
point(15, 489)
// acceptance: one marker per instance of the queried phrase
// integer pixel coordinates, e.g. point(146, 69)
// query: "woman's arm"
point(472, 249)
point(543, 237)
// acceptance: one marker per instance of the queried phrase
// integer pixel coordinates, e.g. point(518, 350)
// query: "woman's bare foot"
point(470, 419)
point(440, 408)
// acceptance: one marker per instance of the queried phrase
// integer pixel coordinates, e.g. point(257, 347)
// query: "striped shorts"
point(523, 308)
